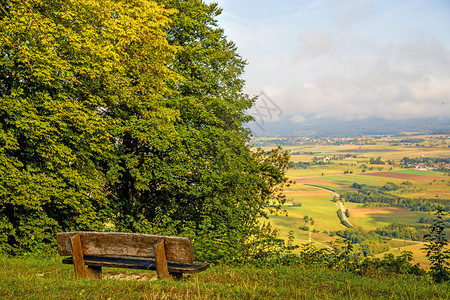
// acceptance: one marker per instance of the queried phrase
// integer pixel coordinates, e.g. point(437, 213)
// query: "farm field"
point(315, 203)
point(415, 248)
point(372, 217)
point(424, 177)
point(421, 173)
point(337, 167)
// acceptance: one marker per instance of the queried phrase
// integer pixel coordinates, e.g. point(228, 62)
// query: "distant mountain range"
point(341, 128)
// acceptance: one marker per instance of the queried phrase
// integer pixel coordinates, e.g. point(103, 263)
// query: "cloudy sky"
point(346, 59)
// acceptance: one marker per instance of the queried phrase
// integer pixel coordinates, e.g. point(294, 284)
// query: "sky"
point(346, 60)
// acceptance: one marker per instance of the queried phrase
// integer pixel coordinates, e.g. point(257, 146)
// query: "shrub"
point(436, 251)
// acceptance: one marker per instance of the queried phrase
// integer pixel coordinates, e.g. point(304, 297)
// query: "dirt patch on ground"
point(423, 178)
point(128, 277)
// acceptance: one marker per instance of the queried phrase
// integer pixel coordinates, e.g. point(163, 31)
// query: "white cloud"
point(347, 60)
point(273, 91)
point(298, 118)
point(430, 88)
point(395, 81)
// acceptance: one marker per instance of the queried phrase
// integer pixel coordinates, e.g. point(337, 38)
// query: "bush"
point(436, 251)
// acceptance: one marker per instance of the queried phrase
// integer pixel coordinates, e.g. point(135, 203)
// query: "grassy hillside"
point(48, 278)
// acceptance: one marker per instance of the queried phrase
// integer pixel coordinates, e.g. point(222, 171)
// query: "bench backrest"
point(126, 244)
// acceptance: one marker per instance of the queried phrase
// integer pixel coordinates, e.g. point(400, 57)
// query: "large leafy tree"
point(129, 111)
point(203, 180)
point(65, 66)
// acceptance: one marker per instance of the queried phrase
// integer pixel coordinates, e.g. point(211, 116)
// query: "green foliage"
point(56, 57)
point(368, 243)
point(341, 218)
point(389, 265)
point(308, 219)
point(436, 250)
point(403, 231)
point(389, 186)
point(375, 161)
point(199, 177)
point(61, 65)
point(344, 256)
point(128, 112)
point(380, 197)
point(428, 161)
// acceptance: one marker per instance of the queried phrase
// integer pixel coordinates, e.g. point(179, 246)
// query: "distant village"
point(393, 140)
point(424, 167)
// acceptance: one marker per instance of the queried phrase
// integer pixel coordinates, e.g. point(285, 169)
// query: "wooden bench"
point(170, 256)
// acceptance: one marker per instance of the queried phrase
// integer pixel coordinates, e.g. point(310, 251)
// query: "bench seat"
point(170, 256)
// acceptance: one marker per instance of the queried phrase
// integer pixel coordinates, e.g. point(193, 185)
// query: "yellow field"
point(370, 218)
point(415, 248)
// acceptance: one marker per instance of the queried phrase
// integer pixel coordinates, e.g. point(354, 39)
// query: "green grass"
point(401, 243)
point(417, 172)
point(371, 181)
point(47, 278)
point(335, 188)
point(437, 189)
point(317, 170)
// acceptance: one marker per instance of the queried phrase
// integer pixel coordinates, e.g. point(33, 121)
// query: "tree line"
point(429, 161)
point(129, 114)
point(379, 197)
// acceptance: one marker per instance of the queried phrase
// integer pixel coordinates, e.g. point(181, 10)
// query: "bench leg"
point(77, 255)
point(81, 272)
point(160, 260)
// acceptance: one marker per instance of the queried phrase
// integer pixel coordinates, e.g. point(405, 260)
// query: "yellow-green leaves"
point(75, 77)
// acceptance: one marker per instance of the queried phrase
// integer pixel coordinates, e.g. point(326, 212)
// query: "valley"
point(401, 167)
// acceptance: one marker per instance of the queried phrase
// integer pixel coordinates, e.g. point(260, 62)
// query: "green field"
point(315, 203)
point(371, 181)
point(423, 173)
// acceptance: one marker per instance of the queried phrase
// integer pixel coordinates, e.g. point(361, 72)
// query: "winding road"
point(339, 203)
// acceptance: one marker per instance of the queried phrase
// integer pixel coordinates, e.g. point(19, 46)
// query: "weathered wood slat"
point(126, 244)
point(139, 263)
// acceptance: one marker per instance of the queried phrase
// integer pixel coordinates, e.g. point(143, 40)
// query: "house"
point(421, 167)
